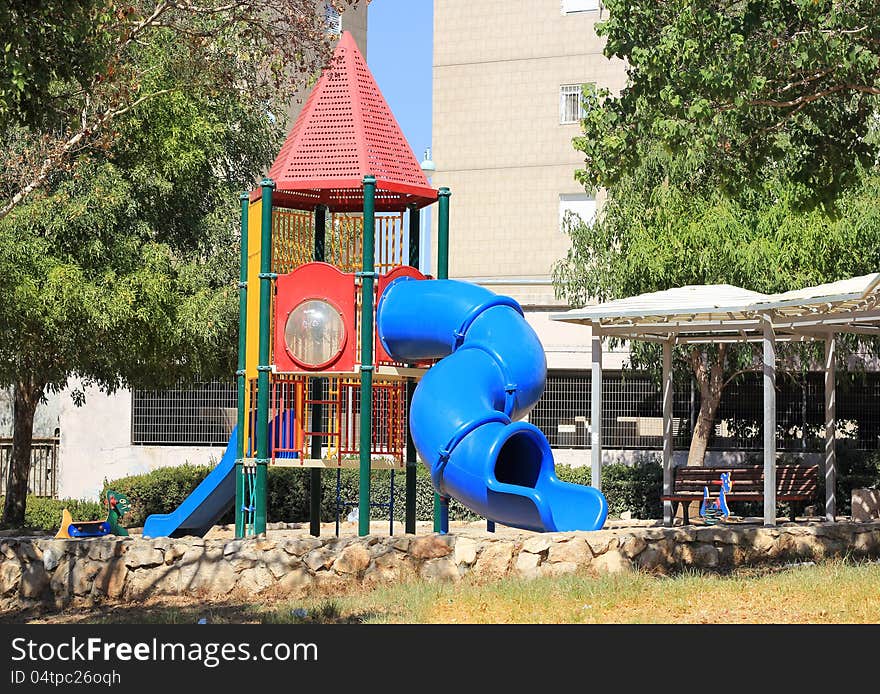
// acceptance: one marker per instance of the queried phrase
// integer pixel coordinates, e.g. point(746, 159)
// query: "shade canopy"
point(725, 313)
point(719, 313)
point(345, 131)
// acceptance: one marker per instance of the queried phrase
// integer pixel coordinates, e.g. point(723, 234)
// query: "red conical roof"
point(345, 131)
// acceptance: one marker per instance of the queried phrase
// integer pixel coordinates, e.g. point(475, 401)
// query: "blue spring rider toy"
point(713, 511)
point(117, 506)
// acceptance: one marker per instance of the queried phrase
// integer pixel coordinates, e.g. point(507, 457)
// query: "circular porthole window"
point(314, 333)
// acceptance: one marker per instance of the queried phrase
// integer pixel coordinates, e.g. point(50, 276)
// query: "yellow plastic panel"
point(255, 214)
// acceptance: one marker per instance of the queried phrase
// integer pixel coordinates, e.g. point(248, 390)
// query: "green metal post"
point(367, 274)
point(264, 367)
point(318, 386)
point(240, 374)
point(411, 457)
point(443, 234)
point(441, 504)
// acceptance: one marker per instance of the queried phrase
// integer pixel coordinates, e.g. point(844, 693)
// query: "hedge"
point(45, 514)
point(633, 488)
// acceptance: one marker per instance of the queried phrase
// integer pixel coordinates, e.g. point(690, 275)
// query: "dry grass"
point(835, 592)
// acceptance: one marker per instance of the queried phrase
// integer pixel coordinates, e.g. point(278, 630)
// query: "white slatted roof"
point(722, 312)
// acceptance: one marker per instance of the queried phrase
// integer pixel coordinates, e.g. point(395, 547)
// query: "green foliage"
point(45, 514)
point(42, 44)
point(663, 226)
point(855, 470)
point(753, 90)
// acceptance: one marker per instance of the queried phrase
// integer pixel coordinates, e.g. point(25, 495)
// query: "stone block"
point(144, 583)
point(440, 569)
point(102, 549)
point(465, 551)
point(430, 547)
point(494, 560)
point(174, 552)
point(574, 550)
point(401, 543)
point(612, 562)
point(10, 575)
point(601, 541)
point(82, 576)
point(321, 558)
point(280, 563)
point(527, 563)
point(632, 545)
point(301, 546)
point(110, 579)
point(252, 581)
point(142, 554)
point(34, 580)
point(353, 559)
point(52, 554)
point(536, 544)
point(295, 582)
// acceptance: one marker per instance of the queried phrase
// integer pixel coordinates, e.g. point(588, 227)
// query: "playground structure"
point(117, 506)
point(329, 263)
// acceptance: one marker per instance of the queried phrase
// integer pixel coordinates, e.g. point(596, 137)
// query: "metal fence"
point(43, 476)
point(194, 415)
point(632, 416)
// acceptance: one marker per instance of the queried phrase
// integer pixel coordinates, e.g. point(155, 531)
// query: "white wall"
point(96, 445)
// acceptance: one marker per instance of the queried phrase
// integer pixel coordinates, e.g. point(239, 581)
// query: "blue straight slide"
point(205, 505)
point(463, 416)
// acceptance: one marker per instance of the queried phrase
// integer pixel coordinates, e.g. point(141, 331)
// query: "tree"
point(754, 89)
point(118, 246)
point(72, 69)
point(663, 226)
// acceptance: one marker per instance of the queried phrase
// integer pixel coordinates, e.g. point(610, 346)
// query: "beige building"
point(506, 104)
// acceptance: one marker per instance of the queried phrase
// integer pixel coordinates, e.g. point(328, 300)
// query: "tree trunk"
point(27, 394)
point(711, 381)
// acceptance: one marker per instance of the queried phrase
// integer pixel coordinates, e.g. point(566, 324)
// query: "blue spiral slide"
point(463, 416)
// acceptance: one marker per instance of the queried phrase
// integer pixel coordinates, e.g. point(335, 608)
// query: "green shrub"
point(855, 470)
point(45, 514)
point(633, 488)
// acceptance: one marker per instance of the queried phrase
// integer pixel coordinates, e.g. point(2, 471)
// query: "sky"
point(399, 54)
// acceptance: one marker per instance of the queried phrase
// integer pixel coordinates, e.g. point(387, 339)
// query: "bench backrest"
point(790, 479)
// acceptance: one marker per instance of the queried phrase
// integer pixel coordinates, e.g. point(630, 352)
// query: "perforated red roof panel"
point(345, 131)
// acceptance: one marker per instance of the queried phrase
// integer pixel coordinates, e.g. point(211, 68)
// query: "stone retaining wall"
point(56, 572)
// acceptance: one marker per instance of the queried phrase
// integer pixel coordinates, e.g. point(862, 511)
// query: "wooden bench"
point(796, 484)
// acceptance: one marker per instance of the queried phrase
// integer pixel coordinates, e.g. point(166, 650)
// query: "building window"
point(572, 6)
point(202, 414)
point(580, 204)
point(571, 103)
point(332, 19)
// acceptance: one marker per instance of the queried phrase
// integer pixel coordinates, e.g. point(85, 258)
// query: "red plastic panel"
point(345, 131)
point(382, 356)
point(322, 282)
